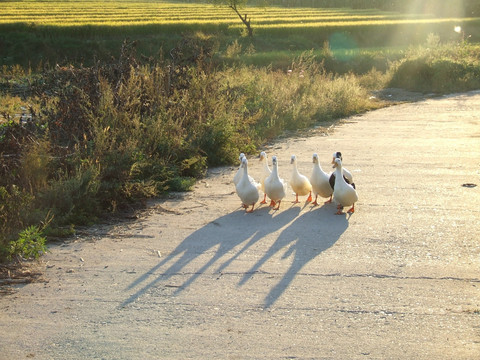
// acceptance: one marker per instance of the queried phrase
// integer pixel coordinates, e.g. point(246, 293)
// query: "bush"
point(440, 68)
point(414, 75)
point(73, 199)
point(30, 244)
point(16, 207)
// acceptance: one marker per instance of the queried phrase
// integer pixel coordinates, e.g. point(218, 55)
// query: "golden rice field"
point(35, 32)
point(137, 13)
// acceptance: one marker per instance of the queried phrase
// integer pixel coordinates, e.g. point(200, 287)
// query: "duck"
point(320, 181)
point(347, 175)
point(344, 194)
point(265, 174)
point(275, 187)
point(246, 190)
point(299, 183)
point(239, 173)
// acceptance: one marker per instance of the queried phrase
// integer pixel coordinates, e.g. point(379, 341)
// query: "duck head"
point(337, 163)
point(244, 162)
point(336, 155)
point(274, 160)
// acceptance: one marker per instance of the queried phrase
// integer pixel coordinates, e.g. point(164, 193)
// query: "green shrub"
point(440, 68)
point(16, 207)
point(181, 184)
point(415, 75)
point(73, 199)
point(439, 75)
point(30, 244)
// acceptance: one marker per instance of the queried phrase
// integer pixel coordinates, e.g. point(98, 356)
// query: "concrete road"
point(198, 278)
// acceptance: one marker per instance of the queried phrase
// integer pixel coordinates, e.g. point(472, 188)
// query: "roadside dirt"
point(195, 277)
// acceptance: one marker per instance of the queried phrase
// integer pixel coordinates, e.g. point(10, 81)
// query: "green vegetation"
point(110, 122)
point(436, 68)
point(30, 243)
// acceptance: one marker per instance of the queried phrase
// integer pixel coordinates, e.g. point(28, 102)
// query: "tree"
point(236, 5)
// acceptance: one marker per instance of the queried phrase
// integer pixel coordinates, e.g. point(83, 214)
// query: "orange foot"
point(339, 212)
point(309, 199)
point(278, 206)
point(352, 209)
point(328, 201)
point(264, 201)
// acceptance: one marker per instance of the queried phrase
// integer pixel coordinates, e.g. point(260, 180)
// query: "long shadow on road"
point(304, 239)
point(304, 236)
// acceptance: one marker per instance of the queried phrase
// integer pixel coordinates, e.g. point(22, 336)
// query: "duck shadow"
point(219, 237)
point(304, 239)
point(229, 236)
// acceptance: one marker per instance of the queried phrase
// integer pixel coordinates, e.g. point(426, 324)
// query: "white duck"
point(344, 194)
point(239, 173)
point(299, 183)
point(246, 190)
point(347, 175)
point(265, 174)
point(275, 187)
point(320, 181)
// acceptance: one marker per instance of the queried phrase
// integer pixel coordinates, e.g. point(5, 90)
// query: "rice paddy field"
point(77, 30)
point(139, 13)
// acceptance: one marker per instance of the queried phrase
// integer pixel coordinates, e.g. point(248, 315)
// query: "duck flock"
point(338, 186)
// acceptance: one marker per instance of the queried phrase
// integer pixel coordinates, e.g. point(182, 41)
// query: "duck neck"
point(275, 170)
point(295, 169)
point(265, 164)
point(338, 173)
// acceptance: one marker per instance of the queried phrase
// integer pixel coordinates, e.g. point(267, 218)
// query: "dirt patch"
point(18, 273)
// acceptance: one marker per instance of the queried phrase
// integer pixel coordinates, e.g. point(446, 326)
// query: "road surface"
point(198, 278)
